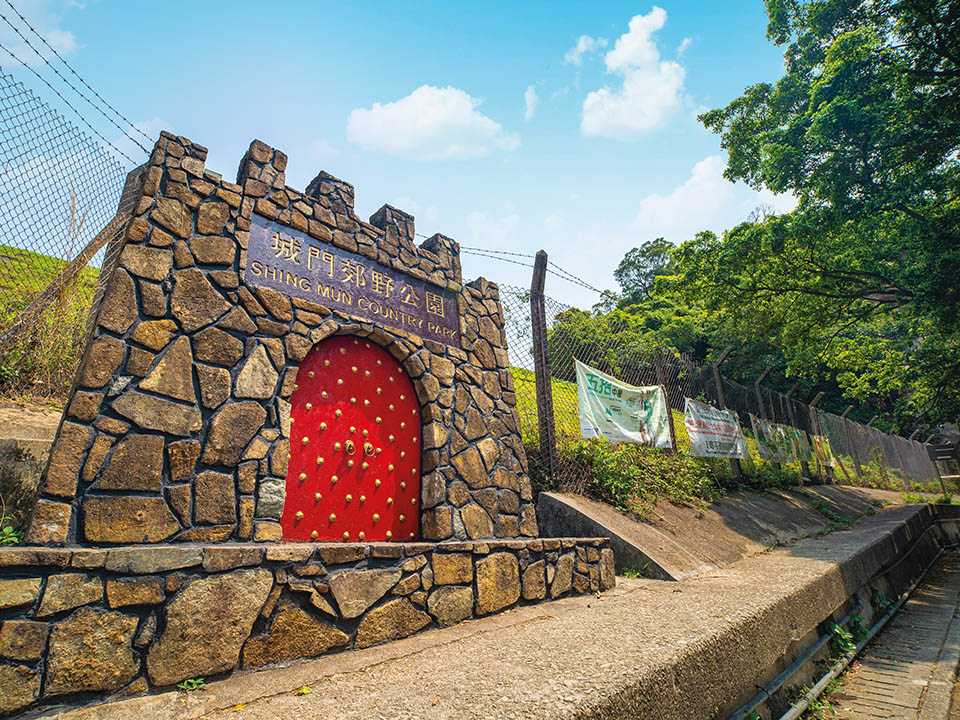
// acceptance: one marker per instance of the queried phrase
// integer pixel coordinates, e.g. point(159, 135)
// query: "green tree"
point(864, 129)
point(639, 268)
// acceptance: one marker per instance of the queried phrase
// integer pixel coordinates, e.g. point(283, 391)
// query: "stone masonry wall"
point(83, 622)
point(177, 427)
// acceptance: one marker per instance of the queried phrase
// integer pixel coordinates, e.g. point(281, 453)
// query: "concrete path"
point(908, 672)
point(647, 649)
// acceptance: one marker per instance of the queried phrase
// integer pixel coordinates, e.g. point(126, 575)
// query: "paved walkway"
point(908, 672)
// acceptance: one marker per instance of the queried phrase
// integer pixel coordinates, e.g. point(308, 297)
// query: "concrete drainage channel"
point(770, 699)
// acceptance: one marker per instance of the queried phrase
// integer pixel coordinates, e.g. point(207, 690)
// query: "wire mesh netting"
point(616, 345)
point(58, 191)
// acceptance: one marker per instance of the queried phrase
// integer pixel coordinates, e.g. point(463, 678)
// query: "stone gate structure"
point(264, 366)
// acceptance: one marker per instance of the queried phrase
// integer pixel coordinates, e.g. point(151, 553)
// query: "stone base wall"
point(78, 623)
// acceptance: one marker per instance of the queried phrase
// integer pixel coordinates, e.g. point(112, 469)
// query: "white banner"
point(621, 412)
point(713, 432)
point(773, 441)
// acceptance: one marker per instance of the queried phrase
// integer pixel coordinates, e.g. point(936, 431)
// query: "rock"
point(218, 559)
point(230, 430)
point(50, 523)
point(489, 452)
point(238, 320)
point(454, 569)
point(470, 468)
point(84, 405)
point(443, 369)
point(153, 413)
point(507, 526)
point(267, 531)
point(145, 591)
point(475, 427)
point(100, 361)
point(276, 303)
point(119, 519)
point(450, 605)
point(395, 619)
point(476, 521)
point(458, 494)
point(147, 631)
point(19, 686)
point(136, 464)
point(294, 634)
point(608, 575)
point(147, 560)
point(147, 262)
point(211, 217)
point(216, 251)
point(356, 590)
point(155, 334)
point(436, 523)
point(172, 215)
point(214, 499)
point(257, 378)
point(173, 375)
point(214, 385)
point(528, 521)
point(340, 554)
point(217, 347)
point(23, 639)
point(67, 457)
point(118, 311)
point(194, 302)
point(91, 651)
point(433, 489)
point(488, 500)
point(14, 593)
point(270, 498)
point(182, 457)
point(534, 581)
point(498, 582)
point(70, 590)
point(434, 436)
point(279, 458)
point(206, 625)
point(563, 579)
point(506, 480)
point(509, 502)
point(153, 300)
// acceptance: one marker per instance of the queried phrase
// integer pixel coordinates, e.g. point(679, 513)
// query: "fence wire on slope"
point(58, 190)
point(863, 455)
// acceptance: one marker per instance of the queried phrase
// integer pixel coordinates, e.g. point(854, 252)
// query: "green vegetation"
point(632, 572)
point(9, 534)
point(192, 684)
point(835, 521)
point(43, 358)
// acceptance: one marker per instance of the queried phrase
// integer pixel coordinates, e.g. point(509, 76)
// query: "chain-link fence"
point(616, 344)
point(58, 196)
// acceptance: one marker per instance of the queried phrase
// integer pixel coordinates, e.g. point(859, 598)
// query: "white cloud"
point(585, 46)
point(492, 230)
point(430, 123)
point(682, 48)
point(651, 89)
point(705, 201)
point(530, 100)
point(46, 17)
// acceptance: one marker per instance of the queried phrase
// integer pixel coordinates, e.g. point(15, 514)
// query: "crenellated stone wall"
point(133, 619)
point(178, 428)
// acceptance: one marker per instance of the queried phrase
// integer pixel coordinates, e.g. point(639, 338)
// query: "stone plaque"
point(291, 262)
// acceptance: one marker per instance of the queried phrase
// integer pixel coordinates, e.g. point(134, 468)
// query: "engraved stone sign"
point(292, 262)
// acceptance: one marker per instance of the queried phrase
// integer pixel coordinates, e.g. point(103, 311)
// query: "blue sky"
point(511, 126)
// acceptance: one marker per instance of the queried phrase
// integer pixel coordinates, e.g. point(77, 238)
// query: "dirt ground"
point(29, 420)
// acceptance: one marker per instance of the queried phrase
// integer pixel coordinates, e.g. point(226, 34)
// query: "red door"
point(354, 471)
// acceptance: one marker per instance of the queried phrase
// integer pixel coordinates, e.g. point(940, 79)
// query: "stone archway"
point(355, 446)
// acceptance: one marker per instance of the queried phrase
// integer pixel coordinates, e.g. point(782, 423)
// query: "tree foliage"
point(864, 130)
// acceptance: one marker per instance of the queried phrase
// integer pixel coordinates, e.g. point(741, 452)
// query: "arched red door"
point(354, 470)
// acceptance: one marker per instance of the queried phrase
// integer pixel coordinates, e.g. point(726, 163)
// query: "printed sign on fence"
point(621, 412)
point(822, 449)
point(773, 442)
point(713, 432)
point(801, 445)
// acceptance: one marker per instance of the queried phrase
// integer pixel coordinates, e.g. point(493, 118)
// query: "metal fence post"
point(541, 364)
point(760, 403)
point(804, 465)
point(853, 445)
point(722, 402)
point(823, 471)
point(879, 454)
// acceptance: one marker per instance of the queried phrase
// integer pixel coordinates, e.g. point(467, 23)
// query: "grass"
point(41, 361)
